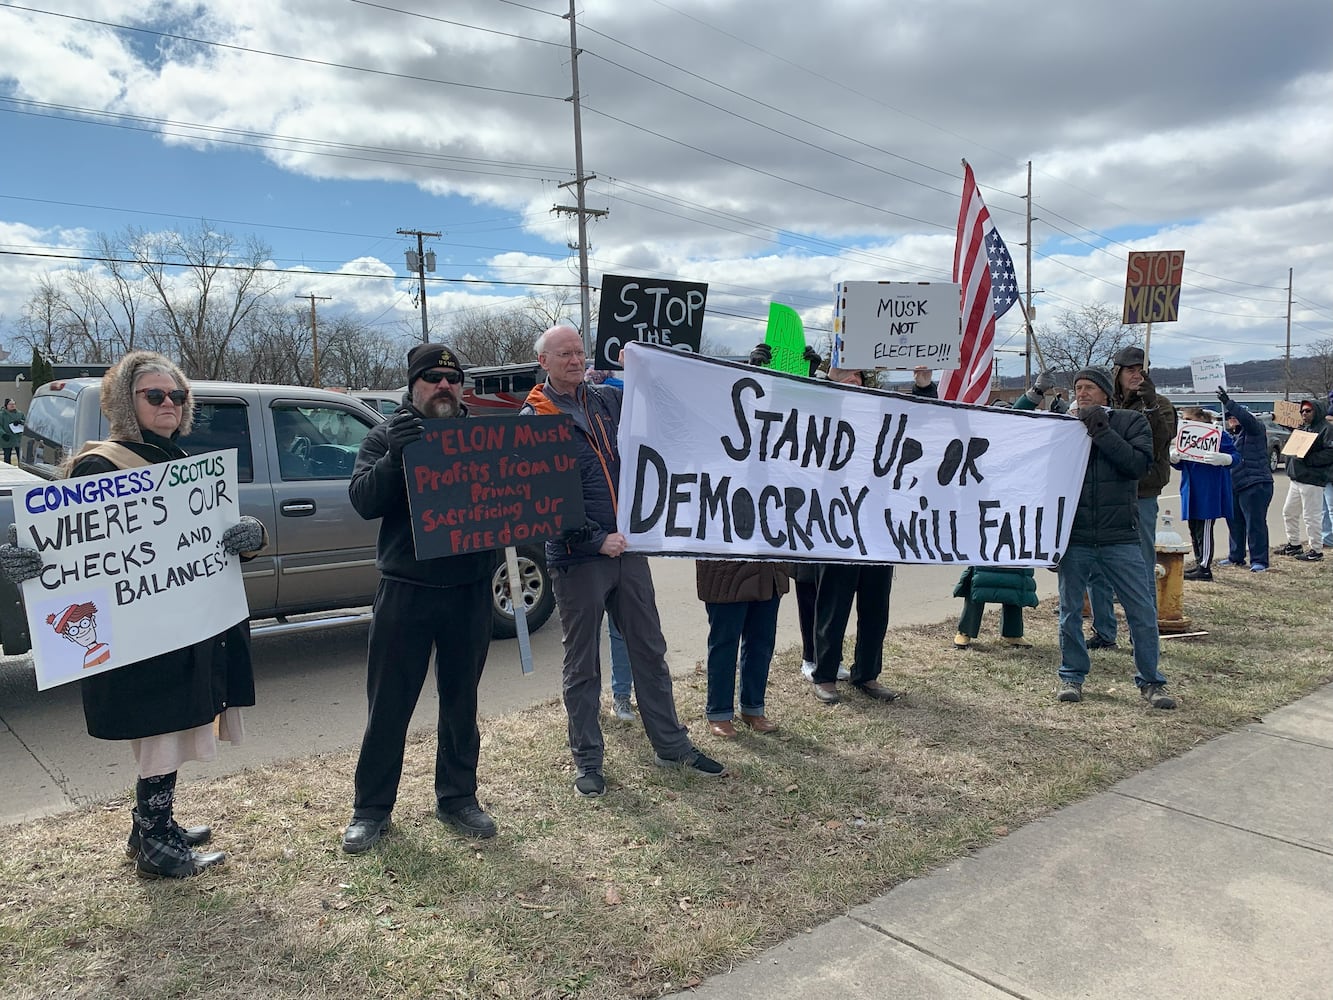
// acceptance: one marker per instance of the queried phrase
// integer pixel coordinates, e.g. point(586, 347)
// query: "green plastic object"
point(786, 338)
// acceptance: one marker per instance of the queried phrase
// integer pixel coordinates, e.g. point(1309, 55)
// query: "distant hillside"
point(1249, 376)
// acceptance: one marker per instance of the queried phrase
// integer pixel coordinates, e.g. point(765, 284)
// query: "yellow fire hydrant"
point(1170, 571)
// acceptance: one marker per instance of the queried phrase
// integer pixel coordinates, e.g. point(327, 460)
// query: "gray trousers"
point(624, 587)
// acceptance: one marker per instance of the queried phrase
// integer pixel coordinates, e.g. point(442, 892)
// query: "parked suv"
point(296, 448)
point(1277, 440)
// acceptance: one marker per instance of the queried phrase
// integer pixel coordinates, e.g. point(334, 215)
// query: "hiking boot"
point(1312, 555)
point(590, 784)
point(623, 710)
point(1290, 549)
point(1156, 696)
point(192, 835)
point(1095, 641)
point(693, 761)
point(169, 856)
point(469, 820)
point(1070, 691)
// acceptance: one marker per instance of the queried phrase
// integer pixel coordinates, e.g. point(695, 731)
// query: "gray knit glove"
point(16, 562)
point(248, 536)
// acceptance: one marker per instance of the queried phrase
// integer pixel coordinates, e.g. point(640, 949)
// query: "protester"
point(869, 585)
point(592, 573)
point(1013, 588)
point(443, 602)
point(1042, 391)
point(742, 598)
point(1308, 474)
point(1251, 487)
point(173, 707)
point(11, 429)
point(1105, 536)
point(1205, 493)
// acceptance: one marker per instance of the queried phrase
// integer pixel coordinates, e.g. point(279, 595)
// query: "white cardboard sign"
point(897, 324)
point(134, 564)
point(1195, 439)
point(1208, 373)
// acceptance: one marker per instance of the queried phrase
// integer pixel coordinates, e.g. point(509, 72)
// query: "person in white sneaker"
point(1307, 475)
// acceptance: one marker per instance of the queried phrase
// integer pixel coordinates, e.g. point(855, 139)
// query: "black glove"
point(1044, 384)
point(1094, 419)
point(812, 356)
point(1148, 391)
point(1222, 396)
point(404, 428)
point(247, 536)
point(761, 356)
point(18, 563)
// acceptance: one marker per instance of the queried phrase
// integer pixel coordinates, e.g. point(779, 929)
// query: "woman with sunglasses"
point(173, 707)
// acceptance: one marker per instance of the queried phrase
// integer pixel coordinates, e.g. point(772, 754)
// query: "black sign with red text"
point(490, 482)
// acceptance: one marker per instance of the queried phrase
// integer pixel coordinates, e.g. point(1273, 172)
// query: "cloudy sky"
point(769, 149)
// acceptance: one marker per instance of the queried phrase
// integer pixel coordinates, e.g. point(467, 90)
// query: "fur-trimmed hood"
point(118, 394)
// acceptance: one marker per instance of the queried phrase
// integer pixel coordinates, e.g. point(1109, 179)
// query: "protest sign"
point(897, 324)
point(1209, 374)
point(1299, 443)
point(785, 337)
point(1287, 413)
point(1152, 286)
point(133, 564)
point(648, 311)
point(724, 460)
point(1196, 440)
point(491, 482)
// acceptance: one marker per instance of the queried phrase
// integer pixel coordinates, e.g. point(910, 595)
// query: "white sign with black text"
point(897, 324)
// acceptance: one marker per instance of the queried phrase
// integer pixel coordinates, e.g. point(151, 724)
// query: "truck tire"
point(13, 622)
point(538, 597)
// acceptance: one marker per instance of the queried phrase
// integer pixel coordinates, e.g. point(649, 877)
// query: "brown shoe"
point(827, 693)
point(760, 723)
point(723, 728)
point(876, 690)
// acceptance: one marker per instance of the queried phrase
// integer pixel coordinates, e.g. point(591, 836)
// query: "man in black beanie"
point(443, 602)
point(1104, 538)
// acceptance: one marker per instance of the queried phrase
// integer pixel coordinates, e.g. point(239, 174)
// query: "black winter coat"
point(379, 489)
point(1316, 467)
point(1108, 509)
point(173, 691)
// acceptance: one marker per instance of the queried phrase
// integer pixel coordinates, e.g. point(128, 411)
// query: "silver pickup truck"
point(295, 451)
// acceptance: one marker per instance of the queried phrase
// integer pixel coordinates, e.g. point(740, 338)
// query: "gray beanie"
point(1099, 376)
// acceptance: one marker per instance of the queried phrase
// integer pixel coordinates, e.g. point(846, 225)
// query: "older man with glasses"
point(1308, 474)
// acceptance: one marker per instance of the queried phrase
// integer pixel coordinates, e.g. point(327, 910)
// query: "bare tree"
point(1320, 368)
point(496, 336)
point(45, 324)
point(1086, 336)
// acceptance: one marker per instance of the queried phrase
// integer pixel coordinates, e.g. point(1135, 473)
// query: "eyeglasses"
point(566, 355)
point(156, 397)
point(449, 375)
point(1307, 409)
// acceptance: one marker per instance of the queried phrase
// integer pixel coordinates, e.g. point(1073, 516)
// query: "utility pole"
point(314, 331)
point(579, 183)
point(1287, 391)
point(420, 261)
point(1027, 312)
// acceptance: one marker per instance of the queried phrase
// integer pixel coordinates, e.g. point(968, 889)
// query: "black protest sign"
point(489, 482)
point(648, 311)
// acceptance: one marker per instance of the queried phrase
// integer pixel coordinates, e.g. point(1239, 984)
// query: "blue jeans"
point(1248, 523)
point(1122, 567)
point(1099, 590)
point(750, 627)
point(1328, 516)
point(622, 682)
point(1103, 605)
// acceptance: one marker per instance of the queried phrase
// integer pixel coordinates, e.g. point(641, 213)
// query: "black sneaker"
point(469, 820)
point(590, 784)
point(1312, 555)
point(694, 761)
point(1156, 696)
point(1095, 641)
point(1199, 573)
point(1287, 550)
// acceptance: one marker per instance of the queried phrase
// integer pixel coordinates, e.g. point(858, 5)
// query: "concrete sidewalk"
point(1210, 875)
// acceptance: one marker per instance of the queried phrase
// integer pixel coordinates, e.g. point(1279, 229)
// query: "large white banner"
point(721, 459)
point(134, 564)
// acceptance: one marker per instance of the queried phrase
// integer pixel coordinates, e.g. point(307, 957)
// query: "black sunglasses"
point(442, 375)
point(156, 397)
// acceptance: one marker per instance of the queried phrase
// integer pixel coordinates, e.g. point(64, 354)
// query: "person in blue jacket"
point(1251, 487)
point(1205, 493)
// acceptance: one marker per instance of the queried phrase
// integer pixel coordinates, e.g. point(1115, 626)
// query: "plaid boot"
point(163, 851)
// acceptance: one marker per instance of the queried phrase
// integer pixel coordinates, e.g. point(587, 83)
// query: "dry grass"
point(667, 878)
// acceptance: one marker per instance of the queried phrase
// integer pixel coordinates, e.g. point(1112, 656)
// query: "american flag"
point(982, 265)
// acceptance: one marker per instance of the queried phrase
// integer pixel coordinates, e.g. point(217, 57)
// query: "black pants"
point(1201, 537)
point(407, 621)
point(838, 585)
point(805, 617)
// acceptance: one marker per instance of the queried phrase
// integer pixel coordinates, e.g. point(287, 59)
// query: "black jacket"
point(1316, 467)
point(172, 691)
point(379, 489)
point(1108, 509)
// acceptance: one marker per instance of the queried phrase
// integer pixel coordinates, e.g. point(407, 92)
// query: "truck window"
point(316, 441)
point(48, 434)
point(219, 426)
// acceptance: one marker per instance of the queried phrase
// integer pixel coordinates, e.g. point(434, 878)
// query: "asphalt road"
point(311, 687)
